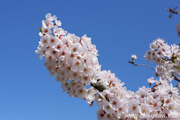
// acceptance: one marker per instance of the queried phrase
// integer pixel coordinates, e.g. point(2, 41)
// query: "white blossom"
point(73, 61)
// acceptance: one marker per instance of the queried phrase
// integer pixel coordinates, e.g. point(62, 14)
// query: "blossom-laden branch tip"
point(73, 61)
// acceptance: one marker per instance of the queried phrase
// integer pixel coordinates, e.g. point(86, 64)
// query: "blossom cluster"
point(161, 101)
point(166, 57)
point(73, 60)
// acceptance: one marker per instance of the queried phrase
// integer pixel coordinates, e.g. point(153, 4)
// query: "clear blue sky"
point(118, 28)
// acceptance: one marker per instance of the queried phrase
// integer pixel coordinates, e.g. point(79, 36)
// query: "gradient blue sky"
point(118, 28)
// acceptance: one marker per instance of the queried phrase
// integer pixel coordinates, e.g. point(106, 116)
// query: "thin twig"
point(141, 65)
point(144, 65)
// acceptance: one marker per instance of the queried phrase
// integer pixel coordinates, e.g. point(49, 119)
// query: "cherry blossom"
point(73, 61)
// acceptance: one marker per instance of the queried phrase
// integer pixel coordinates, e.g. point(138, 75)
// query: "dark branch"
point(175, 78)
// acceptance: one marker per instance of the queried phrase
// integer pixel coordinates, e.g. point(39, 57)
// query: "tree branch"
point(175, 78)
point(140, 65)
